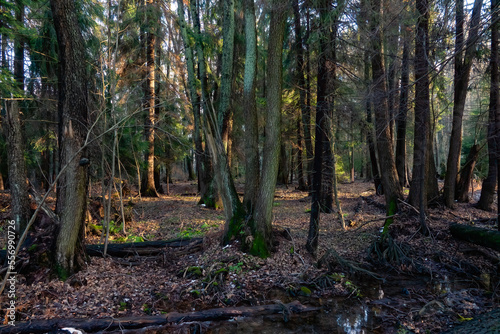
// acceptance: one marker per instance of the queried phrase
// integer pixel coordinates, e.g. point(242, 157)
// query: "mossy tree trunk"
point(261, 225)
point(476, 235)
point(216, 131)
point(73, 125)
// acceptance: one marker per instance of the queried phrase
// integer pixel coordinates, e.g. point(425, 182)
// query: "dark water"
point(337, 316)
point(340, 315)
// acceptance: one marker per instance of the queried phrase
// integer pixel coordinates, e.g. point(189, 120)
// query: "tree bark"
point(461, 83)
point(418, 190)
point(489, 184)
point(401, 117)
point(306, 117)
point(19, 196)
point(148, 189)
point(390, 183)
point(209, 195)
point(252, 165)
point(73, 124)
point(369, 128)
point(304, 121)
point(323, 134)
point(261, 226)
point(328, 55)
point(217, 131)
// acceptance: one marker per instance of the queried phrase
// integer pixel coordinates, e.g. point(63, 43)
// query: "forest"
point(215, 166)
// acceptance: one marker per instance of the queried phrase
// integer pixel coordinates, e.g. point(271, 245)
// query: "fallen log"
point(476, 235)
point(109, 324)
point(146, 248)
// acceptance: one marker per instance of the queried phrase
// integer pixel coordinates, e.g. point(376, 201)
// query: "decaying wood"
point(217, 314)
point(147, 248)
point(476, 235)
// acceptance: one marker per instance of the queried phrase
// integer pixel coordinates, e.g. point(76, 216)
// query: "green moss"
point(193, 271)
point(305, 291)
point(221, 271)
point(392, 208)
point(62, 273)
point(32, 248)
point(236, 227)
point(123, 306)
point(95, 228)
point(259, 246)
point(146, 309)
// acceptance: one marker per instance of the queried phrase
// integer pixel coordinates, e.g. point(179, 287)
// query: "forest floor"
point(440, 283)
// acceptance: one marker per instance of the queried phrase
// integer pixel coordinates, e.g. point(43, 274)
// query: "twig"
point(371, 221)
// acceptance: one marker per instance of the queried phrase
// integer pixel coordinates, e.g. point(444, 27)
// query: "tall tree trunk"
point(305, 119)
point(158, 106)
point(261, 226)
point(401, 117)
point(390, 183)
point(233, 208)
point(73, 124)
point(19, 47)
point(323, 154)
point(209, 195)
point(17, 172)
point(463, 65)
point(328, 41)
point(20, 200)
point(418, 191)
point(148, 189)
point(252, 165)
point(489, 184)
point(369, 128)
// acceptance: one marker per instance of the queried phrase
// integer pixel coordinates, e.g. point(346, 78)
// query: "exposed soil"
point(440, 283)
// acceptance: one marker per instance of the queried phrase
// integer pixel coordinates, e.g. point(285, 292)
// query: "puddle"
point(337, 316)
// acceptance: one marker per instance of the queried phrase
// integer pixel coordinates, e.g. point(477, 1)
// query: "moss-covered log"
point(476, 235)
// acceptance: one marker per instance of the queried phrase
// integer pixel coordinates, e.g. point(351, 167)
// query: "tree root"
point(386, 249)
point(331, 258)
